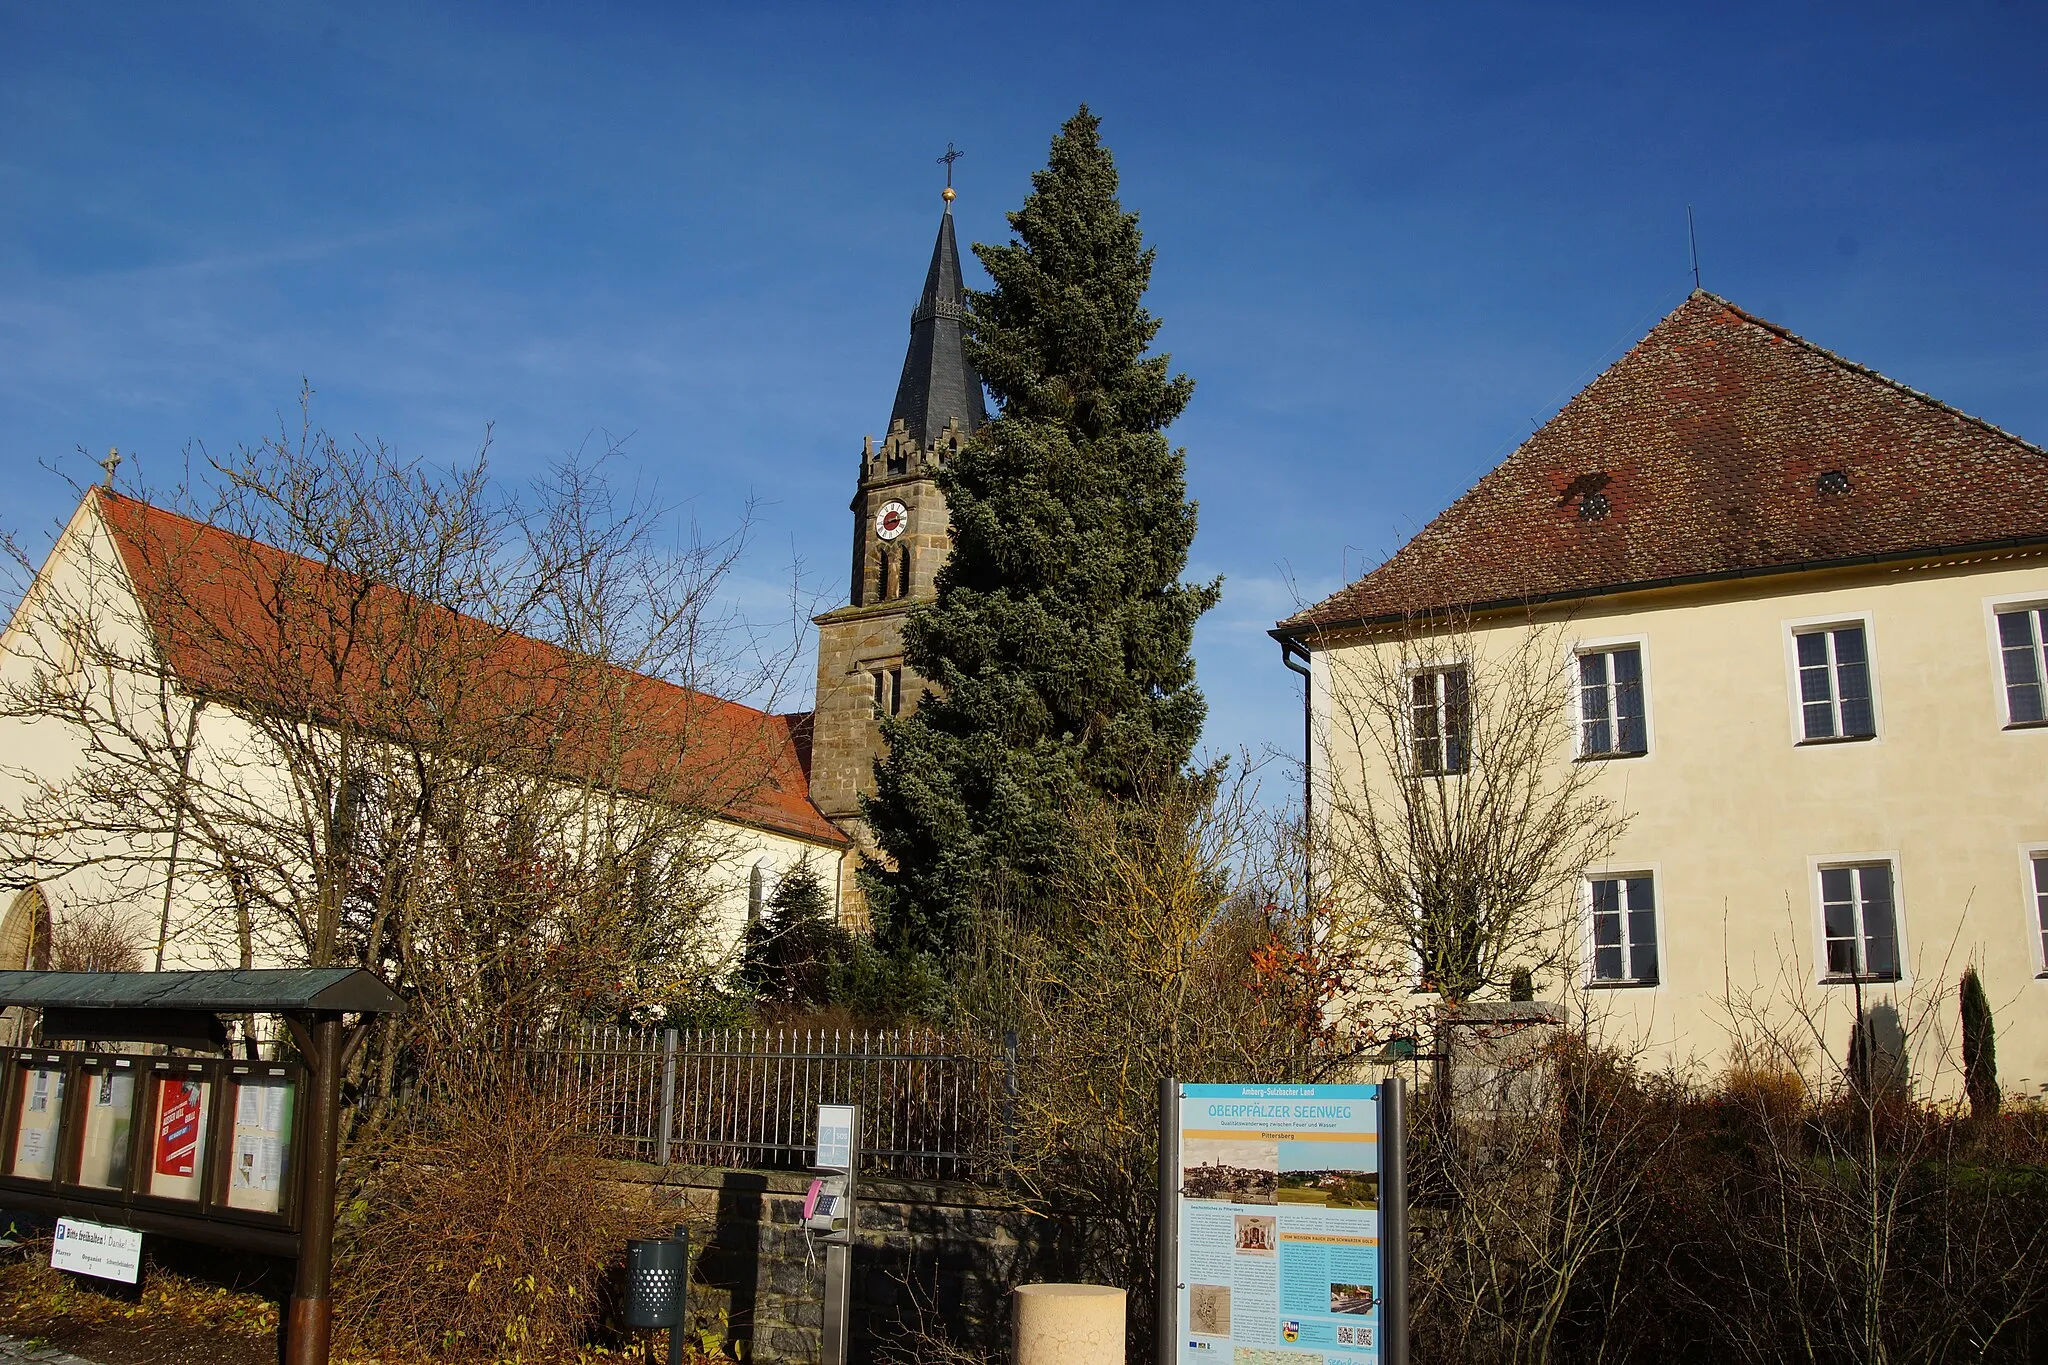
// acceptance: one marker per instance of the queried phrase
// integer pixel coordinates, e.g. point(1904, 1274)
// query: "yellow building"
point(1787, 618)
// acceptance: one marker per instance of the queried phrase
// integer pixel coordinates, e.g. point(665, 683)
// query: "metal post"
point(1167, 1276)
point(668, 1093)
point(676, 1349)
point(1393, 1222)
point(839, 1262)
point(311, 1319)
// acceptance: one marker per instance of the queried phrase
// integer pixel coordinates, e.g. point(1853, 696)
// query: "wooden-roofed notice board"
point(236, 1152)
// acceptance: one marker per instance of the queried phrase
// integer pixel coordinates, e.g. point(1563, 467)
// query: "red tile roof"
point(1720, 445)
point(229, 614)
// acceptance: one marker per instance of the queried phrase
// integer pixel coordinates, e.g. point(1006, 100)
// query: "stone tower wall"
point(865, 638)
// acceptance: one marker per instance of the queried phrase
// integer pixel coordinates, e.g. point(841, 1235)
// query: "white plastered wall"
point(83, 572)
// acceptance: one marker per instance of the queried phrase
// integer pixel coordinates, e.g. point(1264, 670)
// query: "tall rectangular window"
point(1439, 720)
point(2040, 862)
point(1624, 930)
point(2021, 634)
point(1860, 921)
point(1611, 703)
point(888, 691)
point(1834, 684)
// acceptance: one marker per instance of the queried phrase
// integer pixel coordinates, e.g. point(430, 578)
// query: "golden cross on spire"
point(952, 155)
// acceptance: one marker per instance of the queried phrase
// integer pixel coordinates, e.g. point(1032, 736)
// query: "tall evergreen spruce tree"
point(1059, 641)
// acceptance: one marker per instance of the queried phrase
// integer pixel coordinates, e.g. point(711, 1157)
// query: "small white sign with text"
point(835, 1136)
point(96, 1249)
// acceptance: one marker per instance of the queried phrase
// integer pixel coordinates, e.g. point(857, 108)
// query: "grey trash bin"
point(658, 1287)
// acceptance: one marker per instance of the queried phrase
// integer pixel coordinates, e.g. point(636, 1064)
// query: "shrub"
point(1655, 1219)
point(1980, 1047)
point(797, 959)
point(486, 1233)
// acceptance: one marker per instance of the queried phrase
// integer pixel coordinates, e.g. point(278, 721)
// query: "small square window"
point(1611, 703)
point(1860, 922)
point(2021, 634)
point(1834, 684)
point(1439, 706)
point(1624, 922)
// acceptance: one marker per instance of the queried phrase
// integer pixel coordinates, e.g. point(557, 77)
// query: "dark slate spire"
point(938, 384)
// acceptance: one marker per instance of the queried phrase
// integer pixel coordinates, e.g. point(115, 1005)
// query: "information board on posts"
point(1279, 1225)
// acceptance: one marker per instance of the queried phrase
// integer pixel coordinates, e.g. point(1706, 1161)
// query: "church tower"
point(900, 538)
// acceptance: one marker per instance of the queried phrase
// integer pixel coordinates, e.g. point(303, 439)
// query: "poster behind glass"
point(177, 1147)
point(103, 1151)
point(259, 1154)
point(35, 1133)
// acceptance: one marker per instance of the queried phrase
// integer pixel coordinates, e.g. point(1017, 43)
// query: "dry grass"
point(176, 1319)
point(32, 1293)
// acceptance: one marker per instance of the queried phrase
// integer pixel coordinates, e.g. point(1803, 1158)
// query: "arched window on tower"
point(903, 575)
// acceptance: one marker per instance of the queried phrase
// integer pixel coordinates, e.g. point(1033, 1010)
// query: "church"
point(179, 610)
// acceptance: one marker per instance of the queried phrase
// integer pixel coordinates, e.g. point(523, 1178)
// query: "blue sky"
point(1391, 238)
point(1327, 1156)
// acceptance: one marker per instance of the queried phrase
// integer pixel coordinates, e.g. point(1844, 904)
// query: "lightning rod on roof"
point(1692, 240)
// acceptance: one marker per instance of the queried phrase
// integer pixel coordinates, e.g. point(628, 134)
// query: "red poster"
point(177, 1128)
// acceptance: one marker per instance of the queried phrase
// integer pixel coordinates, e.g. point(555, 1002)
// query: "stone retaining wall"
point(928, 1254)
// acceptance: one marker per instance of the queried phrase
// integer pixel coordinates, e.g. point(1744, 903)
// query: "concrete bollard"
point(1067, 1324)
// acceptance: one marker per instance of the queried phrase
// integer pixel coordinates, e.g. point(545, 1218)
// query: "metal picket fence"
point(746, 1097)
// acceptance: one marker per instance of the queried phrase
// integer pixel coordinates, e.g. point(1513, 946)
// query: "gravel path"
point(15, 1351)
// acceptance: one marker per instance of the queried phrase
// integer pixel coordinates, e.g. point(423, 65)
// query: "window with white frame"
point(2021, 634)
point(1834, 684)
point(1439, 720)
point(1624, 924)
point(2039, 862)
point(1860, 921)
point(1611, 703)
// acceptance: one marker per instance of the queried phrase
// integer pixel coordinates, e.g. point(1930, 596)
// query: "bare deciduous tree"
point(1459, 826)
point(349, 708)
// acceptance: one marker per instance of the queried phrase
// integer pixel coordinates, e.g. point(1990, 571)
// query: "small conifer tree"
point(1059, 642)
point(790, 952)
point(1980, 1047)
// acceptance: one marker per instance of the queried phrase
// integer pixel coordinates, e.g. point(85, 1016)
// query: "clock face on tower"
point(892, 521)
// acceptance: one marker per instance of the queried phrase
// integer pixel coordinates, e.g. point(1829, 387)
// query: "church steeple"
point(901, 537)
point(939, 387)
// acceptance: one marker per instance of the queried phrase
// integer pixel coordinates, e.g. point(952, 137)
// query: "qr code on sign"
point(1354, 1336)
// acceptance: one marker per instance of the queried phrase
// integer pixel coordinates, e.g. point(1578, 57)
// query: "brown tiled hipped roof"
point(1720, 445)
point(259, 627)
